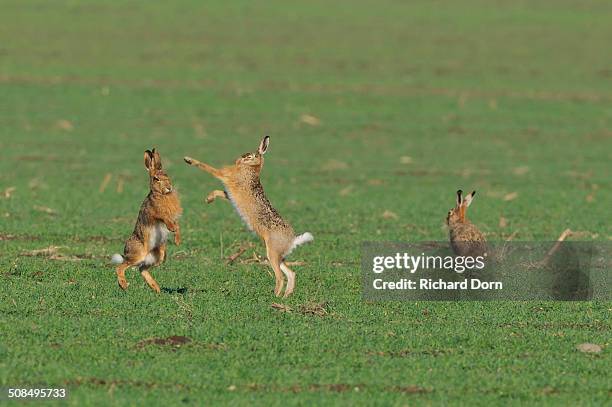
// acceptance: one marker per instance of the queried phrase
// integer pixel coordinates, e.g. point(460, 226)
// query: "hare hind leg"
point(144, 272)
point(155, 257)
point(160, 254)
point(121, 275)
point(290, 274)
point(134, 253)
point(121, 271)
point(275, 260)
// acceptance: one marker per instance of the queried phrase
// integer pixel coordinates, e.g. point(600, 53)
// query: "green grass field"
point(409, 102)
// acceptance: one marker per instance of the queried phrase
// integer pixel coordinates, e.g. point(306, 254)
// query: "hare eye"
point(156, 179)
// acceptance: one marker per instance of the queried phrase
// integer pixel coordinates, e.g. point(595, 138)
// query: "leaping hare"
point(158, 215)
point(466, 239)
point(243, 188)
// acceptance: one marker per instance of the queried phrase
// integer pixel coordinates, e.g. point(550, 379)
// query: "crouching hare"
point(158, 215)
point(465, 238)
point(243, 189)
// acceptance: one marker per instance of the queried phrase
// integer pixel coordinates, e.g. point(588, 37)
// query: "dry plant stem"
point(231, 259)
point(105, 181)
point(49, 251)
point(512, 236)
point(566, 233)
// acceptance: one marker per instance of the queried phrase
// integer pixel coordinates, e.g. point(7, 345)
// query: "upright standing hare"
point(465, 238)
point(158, 215)
point(243, 188)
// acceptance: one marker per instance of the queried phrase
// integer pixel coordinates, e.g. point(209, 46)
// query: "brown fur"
point(244, 189)
point(466, 239)
point(160, 209)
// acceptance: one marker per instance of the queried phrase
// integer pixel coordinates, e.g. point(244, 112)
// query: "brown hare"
point(243, 189)
point(465, 238)
point(158, 215)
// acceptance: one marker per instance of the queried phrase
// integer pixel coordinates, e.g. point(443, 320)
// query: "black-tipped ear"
point(468, 199)
point(148, 159)
point(263, 146)
point(459, 198)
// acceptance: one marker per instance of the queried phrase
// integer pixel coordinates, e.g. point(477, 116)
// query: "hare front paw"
point(123, 283)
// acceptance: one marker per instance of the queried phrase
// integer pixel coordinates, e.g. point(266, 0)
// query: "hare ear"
point(468, 199)
point(263, 146)
point(459, 198)
point(148, 160)
point(156, 160)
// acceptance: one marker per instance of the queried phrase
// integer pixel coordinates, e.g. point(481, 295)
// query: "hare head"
point(254, 160)
point(457, 214)
point(159, 181)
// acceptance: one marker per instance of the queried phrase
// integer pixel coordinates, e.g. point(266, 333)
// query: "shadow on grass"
point(181, 290)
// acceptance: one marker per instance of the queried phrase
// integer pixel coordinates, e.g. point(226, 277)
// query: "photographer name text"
point(430, 284)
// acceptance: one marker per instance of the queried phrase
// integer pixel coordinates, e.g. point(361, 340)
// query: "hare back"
point(467, 240)
point(466, 232)
point(472, 248)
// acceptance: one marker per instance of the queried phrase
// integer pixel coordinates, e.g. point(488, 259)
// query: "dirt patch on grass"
point(331, 387)
point(548, 390)
point(589, 348)
point(101, 239)
point(29, 238)
point(281, 307)
point(318, 309)
point(335, 387)
point(53, 253)
point(410, 389)
point(174, 342)
point(410, 352)
point(597, 326)
point(95, 381)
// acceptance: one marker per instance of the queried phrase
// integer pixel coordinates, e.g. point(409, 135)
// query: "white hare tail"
point(117, 258)
point(300, 240)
